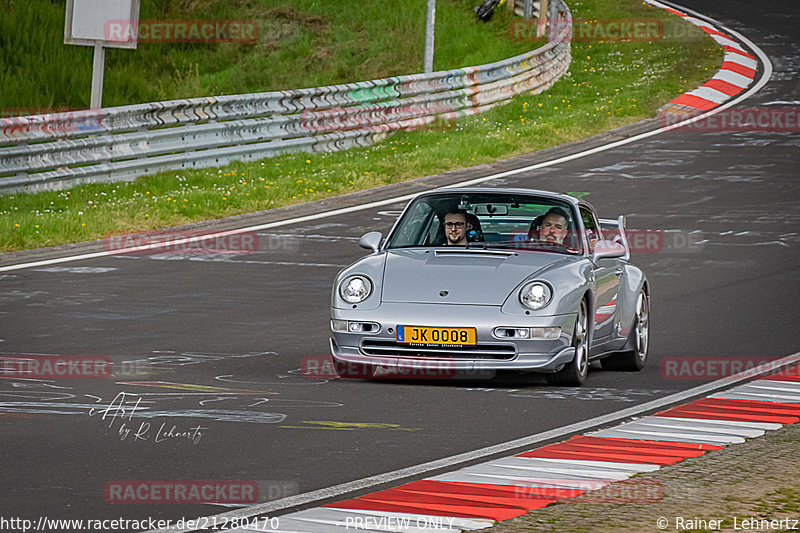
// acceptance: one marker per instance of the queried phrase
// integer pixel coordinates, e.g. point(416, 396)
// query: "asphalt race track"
point(213, 344)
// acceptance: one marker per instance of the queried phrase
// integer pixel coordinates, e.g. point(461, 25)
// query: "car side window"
point(414, 231)
point(434, 236)
point(593, 233)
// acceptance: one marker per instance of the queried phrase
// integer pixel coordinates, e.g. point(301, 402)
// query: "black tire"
point(486, 9)
point(634, 360)
point(353, 370)
point(574, 373)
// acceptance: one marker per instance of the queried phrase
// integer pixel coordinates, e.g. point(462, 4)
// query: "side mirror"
point(371, 241)
point(607, 249)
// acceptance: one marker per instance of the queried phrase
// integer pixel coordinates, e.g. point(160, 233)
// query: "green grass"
point(608, 85)
point(301, 43)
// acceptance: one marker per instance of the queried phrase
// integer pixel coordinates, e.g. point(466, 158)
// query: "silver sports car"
point(490, 279)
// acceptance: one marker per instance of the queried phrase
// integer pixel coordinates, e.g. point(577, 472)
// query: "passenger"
point(474, 231)
point(553, 229)
point(455, 227)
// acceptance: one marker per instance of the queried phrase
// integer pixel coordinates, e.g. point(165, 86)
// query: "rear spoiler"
point(614, 230)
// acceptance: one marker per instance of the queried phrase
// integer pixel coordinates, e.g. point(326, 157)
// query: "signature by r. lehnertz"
point(124, 407)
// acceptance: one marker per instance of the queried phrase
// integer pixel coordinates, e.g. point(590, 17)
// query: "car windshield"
point(489, 220)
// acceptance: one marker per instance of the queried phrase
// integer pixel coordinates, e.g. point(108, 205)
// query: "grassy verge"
point(609, 84)
point(300, 43)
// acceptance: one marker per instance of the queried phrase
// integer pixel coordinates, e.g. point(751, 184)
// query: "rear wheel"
point(634, 360)
point(574, 373)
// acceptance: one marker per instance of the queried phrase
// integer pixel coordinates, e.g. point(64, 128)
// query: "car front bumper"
point(379, 347)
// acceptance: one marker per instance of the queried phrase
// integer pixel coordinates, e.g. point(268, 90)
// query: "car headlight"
point(535, 295)
point(355, 289)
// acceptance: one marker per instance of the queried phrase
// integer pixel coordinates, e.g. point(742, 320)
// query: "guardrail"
point(61, 150)
point(528, 8)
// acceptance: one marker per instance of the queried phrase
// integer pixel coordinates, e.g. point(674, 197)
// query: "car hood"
point(461, 276)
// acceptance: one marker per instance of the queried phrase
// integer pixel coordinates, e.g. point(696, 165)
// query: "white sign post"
point(87, 23)
point(430, 20)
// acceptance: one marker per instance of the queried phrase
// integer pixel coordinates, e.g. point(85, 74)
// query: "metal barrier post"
point(555, 24)
point(98, 66)
point(430, 21)
point(541, 26)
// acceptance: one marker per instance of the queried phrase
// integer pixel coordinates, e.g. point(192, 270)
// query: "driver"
point(553, 228)
point(455, 227)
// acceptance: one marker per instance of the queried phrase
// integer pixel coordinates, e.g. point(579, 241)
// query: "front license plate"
point(427, 335)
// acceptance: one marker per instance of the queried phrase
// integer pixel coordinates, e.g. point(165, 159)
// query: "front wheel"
point(574, 373)
point(634, 360)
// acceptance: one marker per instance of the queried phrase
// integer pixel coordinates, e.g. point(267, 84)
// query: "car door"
point(607, 272)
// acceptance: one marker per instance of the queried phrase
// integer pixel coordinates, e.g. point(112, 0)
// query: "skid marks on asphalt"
point(77, 269)
point(255, 403)
point(292, 377)
point(580, 393)
point(188, 387)
point(348, 426)
point(250, 407)
point(229, 259)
